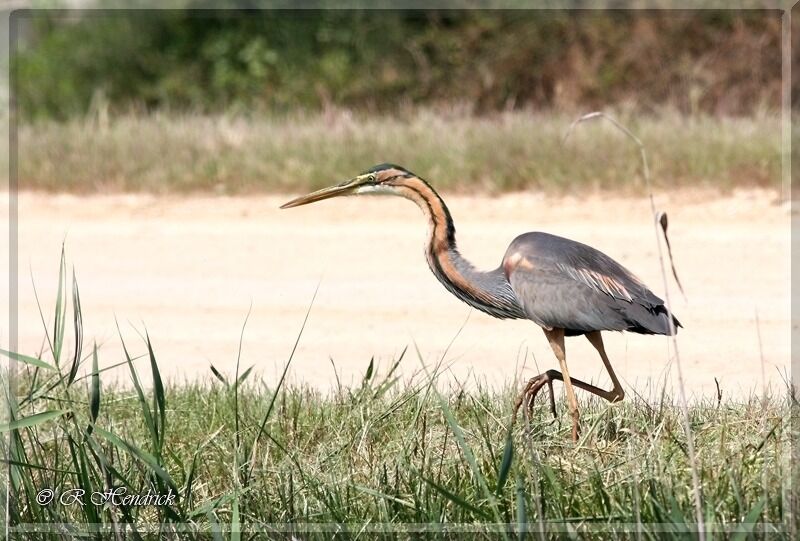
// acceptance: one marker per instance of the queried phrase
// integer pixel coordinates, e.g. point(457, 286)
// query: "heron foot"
point(530, 391)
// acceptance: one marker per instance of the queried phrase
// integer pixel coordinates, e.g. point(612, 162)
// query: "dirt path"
point(189, 268)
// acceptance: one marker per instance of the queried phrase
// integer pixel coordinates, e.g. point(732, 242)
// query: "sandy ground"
point(189, 268)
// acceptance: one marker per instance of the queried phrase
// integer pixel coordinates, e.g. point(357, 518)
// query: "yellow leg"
point(616, 394)
point(556, 339)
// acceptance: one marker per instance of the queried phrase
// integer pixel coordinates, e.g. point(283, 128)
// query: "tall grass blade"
point(32, 420)
point(26, 359)
point(36, 466)
point(60, 311)
point(77, 323)
point(368, 373)
point(146, 413)
point(236, 528)
point(244, 375)
point(41, 314)
point(80, 462)
point(160, 403)
point(388, 381)
point(219, 376)
point(94, 398)
point(749, 523)
point(106, 466)
point(505, 465)
point(236, 415)
point(458, 500)
point(143, 456)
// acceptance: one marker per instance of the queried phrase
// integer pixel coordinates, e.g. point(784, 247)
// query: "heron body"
point(564, 284)
point(565, 287)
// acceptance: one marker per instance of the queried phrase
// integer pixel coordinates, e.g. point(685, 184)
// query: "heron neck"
point(489, 291)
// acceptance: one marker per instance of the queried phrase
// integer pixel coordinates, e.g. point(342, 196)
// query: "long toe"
point(527, 396)
point(533, 391)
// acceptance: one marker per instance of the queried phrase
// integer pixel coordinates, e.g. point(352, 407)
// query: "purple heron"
point(565, 287)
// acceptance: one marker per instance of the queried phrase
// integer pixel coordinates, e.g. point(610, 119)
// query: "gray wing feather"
point(566, 284)
point(555, 301)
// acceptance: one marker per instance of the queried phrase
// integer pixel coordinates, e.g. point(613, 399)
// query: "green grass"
point(455, 151)
point(247, 456)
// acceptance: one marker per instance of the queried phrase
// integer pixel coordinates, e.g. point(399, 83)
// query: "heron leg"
point(556, 339)
point(616, 394)
point(536, 384)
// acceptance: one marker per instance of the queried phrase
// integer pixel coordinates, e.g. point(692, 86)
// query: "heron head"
point(376, 180)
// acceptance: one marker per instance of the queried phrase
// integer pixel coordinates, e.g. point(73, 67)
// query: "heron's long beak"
point(345, 188)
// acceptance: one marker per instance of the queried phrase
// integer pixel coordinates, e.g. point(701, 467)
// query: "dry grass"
point(456, 152)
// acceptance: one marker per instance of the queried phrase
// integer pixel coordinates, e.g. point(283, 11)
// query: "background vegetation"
point(478, 101)
point(710, 61)
point(518, 150)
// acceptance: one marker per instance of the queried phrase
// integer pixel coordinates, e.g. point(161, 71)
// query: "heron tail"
point(654, 320)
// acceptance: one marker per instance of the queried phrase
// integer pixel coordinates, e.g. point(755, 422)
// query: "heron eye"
point(372, 178)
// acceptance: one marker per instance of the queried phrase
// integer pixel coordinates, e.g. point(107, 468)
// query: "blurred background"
point(160, 144)
point(356, 76)
point(714, 61)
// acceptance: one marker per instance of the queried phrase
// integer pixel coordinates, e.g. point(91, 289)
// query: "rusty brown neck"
point(489, 291)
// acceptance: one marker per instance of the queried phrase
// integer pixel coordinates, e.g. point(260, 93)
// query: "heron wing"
point(567, 284)
point(605, 275)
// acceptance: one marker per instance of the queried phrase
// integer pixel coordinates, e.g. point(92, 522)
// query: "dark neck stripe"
point(434, 254)
point(488, 292)
point(450, 229)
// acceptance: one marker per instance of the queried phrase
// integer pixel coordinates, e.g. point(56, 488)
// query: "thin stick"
point(684, 404)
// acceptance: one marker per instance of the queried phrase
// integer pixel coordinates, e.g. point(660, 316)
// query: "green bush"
point(709, 61)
